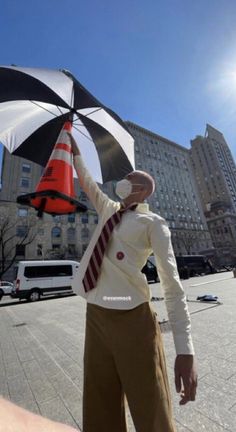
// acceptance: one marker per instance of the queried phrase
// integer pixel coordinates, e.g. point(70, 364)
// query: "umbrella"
point(34, 105)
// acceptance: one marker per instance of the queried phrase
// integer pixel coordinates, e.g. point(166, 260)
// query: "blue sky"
point(169, 65)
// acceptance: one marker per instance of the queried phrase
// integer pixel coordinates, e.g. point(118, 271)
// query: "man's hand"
point(185, 370)
point(74, 146)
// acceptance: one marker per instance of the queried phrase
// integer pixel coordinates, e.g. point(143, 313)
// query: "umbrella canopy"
point(34, 105)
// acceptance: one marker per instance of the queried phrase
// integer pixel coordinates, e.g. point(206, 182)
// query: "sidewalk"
point(41, 356)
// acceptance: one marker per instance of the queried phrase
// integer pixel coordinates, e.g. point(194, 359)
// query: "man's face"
point(138, 186)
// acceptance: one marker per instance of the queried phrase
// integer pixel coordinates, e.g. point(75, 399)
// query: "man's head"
point(142, 185)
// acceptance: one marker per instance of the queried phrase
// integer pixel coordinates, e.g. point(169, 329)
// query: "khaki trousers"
point(124, 356)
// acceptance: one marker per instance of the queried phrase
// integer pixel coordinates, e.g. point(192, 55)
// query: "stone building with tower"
point(215, 173)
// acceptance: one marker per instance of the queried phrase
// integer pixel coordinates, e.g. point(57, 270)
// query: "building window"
point(56, 247)
point(57, 218)
point(84, 247)
point(71, 249)
point(24, 182)
point(71, 235)
point(83, 196)
point(71, 217)
point(95, 219)
point(56, 232)
point(22, 212)
point(20, 250)
point(84, 218)
point(40, 250)
point(84, 234)
point(26, 168)
point(21, 231)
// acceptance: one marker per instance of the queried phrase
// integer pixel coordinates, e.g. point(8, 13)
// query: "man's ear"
point(147, 192)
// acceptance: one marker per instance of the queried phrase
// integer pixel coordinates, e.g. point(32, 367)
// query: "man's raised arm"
point(98, 199)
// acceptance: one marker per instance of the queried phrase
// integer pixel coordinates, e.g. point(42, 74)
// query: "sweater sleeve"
point(98, 199)
point(175, 298)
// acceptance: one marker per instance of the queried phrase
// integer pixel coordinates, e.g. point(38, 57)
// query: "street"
point(41, 355)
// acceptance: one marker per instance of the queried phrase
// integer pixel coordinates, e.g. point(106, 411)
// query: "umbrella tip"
point(65, 71)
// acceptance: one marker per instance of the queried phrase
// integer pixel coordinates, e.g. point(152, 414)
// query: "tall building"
point(176, 197)
point(215, 172)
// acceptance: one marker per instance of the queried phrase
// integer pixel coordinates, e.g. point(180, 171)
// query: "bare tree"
point(188, 239)
point(9, 241)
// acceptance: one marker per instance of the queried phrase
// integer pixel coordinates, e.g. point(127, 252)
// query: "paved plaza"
point(41, 355)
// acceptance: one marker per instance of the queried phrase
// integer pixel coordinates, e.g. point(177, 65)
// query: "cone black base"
point(50, 194)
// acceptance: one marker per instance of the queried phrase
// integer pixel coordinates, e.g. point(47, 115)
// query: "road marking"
point(212, 281)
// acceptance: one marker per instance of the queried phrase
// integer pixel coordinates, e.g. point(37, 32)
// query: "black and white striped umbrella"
point(35, 103)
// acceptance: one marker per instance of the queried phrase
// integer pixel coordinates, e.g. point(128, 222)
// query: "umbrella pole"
point(42, 207)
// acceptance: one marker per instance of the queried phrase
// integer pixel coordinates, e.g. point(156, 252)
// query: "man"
point(123, 343)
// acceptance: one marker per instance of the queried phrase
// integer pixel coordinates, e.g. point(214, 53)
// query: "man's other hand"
point(185, 377)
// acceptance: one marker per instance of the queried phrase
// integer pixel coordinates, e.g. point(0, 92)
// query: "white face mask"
point(124, 188)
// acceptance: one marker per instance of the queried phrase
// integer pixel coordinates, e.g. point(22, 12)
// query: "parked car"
point(150, 270)
point(34, 279)
point(192, 265)
point(5, 288)
point(188, 266)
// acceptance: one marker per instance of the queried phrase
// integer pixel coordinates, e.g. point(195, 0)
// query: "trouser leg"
point(140, 361)
point(103, 397)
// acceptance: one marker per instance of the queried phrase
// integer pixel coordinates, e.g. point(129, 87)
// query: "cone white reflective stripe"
point(63, 155)
point(64, 137)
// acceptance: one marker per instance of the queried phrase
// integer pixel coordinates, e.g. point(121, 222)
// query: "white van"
point(34, 279)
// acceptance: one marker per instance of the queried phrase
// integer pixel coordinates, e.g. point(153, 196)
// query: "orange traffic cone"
point(55, 191)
